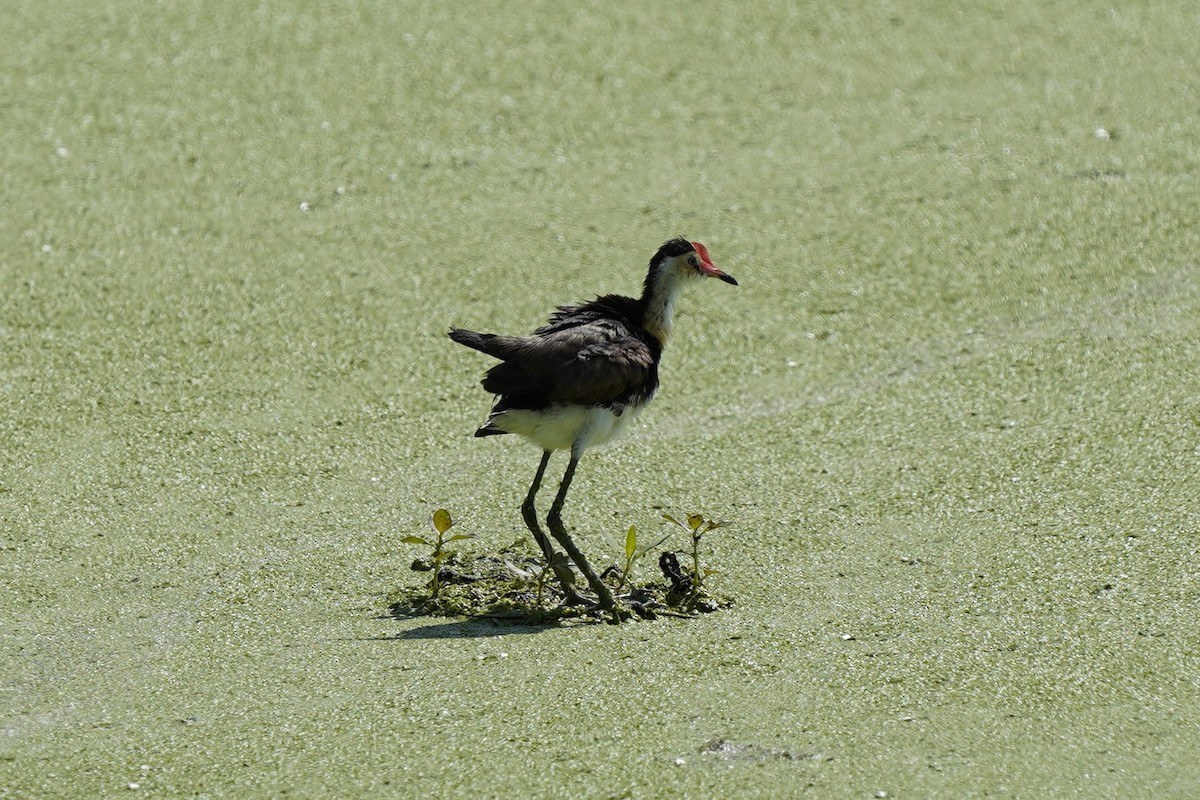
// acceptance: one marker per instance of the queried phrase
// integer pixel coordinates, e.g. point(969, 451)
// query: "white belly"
point(574, 428)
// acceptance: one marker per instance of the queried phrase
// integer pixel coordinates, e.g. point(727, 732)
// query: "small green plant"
point(696, 527)
point(633, 553)
point(530, 572)
point(440, 522)
point(538, 573)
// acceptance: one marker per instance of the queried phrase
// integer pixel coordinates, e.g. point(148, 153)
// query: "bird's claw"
point(617, 612)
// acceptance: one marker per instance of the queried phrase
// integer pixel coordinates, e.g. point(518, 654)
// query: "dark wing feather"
point(610, 306)
point(594, 353)
point(610, 363)
point(599, 361)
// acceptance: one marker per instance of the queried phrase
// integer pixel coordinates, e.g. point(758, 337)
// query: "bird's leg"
point(529, 513)
point(554, 520)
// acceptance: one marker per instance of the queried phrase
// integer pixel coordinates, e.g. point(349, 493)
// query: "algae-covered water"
point(951, 411)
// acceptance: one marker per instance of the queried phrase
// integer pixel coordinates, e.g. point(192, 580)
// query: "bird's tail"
point(476, 341)
point(489, 429)
point(494, 345)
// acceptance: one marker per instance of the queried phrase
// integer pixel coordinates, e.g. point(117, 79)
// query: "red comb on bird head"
point(707, 267)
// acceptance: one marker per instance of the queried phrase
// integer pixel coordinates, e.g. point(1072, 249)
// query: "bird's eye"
point(694, 261)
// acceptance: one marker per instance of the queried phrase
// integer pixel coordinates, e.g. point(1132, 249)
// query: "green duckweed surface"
point(952, 410)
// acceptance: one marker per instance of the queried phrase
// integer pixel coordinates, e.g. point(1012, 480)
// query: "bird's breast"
point(570, 427)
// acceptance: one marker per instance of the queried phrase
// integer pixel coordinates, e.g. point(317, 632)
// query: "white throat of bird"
point(660, 303)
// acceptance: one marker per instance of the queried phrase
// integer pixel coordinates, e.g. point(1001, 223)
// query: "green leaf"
point(459, 536)
point(441, 521)
point(650, 547)
point(417, 540)
point(710, 571)
point(695, 521)
point(669, 518)
point(631, 542)
point(562, 566)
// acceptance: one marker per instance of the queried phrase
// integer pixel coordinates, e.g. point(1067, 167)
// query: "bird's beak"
point(708, 268)
point(711, 271)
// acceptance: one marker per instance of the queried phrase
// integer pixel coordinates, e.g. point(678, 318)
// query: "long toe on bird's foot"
point(574, 598)
point(616, 613)
point(619, 611)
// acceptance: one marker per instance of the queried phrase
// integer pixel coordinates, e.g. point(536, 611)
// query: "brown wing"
point(592, 363)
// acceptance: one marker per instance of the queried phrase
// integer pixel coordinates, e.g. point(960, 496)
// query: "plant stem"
point(435, 584)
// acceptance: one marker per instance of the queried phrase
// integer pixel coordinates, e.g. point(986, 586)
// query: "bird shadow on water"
point(460, 628)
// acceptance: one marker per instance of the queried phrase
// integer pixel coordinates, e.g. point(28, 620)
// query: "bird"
point(579, 380)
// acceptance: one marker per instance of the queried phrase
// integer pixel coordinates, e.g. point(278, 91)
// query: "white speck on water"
point(679, 762)
point(304, 206)
point(847, 637)
point(62, 152)
point(1102, 134)
point(47, 248)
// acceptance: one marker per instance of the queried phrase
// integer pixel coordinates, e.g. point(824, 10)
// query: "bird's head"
point(678, 261)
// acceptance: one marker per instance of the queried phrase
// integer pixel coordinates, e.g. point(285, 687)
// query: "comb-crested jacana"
point(578, 380)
